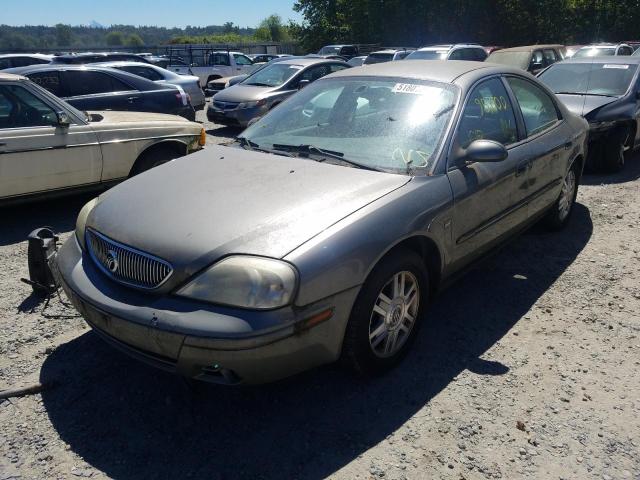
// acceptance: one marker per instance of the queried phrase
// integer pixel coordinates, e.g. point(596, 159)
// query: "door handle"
point(568, 145)
point(2, 144)
point(132, 99)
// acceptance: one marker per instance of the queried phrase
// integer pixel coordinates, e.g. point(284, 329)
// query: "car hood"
point(243, 93)
point(225, 200)
point(585, 104)
point(118, 117)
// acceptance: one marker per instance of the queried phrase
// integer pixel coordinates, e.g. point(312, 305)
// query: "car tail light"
point(203, 138)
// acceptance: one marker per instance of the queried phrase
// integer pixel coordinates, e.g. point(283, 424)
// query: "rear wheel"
point(561, 211)
point(385, 318)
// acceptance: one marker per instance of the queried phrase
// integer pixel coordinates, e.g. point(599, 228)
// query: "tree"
point(115, 39)
point(64, 35)
point(272, 29)
point(134, 40)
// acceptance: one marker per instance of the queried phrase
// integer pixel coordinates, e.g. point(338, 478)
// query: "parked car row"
point(48, 147)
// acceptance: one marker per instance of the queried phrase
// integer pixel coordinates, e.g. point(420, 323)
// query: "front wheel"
point(385, 318)
point(560, 213)
point(614, 151)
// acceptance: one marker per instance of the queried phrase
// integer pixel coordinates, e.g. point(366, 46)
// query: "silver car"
point(189, 83)
point(266, 88)
point(325, 230)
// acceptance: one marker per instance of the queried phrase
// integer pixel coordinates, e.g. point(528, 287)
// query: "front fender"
point(342, 256)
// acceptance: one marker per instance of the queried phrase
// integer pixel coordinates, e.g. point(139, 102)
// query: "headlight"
point(257, 103)
point(243, 281)
point(82, 220)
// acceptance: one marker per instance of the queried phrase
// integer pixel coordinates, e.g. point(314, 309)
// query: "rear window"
point(589, 78)
point(512, 59)
point(378, 58)
point(428, 55)
point(594, 52)
point(144, 72)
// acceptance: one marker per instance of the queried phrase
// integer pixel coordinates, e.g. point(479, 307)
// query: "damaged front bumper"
point(202, 341)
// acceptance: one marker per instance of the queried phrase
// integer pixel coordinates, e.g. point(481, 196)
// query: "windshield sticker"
point(621, 67)
point(411, 88)
point(415, 158)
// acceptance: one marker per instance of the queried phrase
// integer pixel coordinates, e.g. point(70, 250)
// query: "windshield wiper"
point(311, 149)
point(258, 84)
point(249, 145)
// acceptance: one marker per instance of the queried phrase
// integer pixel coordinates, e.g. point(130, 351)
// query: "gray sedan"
point(325, 230)
point(189, 83)
point(266, 88)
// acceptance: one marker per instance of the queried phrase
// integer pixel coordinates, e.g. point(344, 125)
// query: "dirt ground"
point(529, 367)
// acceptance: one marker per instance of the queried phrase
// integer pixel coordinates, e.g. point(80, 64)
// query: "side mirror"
point(485, 151)
point(63, 118)
point(302, 84)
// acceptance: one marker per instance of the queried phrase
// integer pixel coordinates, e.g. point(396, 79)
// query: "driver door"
point(37, 154)
point(489, 197)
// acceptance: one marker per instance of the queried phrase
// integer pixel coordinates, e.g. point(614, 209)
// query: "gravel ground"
point(529, 368)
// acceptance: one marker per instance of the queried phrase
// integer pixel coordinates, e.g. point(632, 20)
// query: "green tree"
point(115, 38)
point(64, 35)
point(134, 40)
point(272, 29)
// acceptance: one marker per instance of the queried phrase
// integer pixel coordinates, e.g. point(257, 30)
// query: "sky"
point(162, 13)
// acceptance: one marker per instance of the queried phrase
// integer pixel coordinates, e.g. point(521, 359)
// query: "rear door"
point(37, 154)
point(489, 197)
point(93, 90)
point(549, 142)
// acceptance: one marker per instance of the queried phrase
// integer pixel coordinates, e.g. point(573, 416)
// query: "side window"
point(314, 73)
point(537, 60)
point(242, 60)
point(537, 108)
point(79, 82)
point(458, 54)
point(49, 80)
point(144, 72)
point(219, 59)
point(488, 115)
point(19, 108)
point(348, 51)
point(549, 57)
point(625, 51)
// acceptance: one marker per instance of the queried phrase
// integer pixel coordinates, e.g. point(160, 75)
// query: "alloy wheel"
point(394, 314)
point(567, 194)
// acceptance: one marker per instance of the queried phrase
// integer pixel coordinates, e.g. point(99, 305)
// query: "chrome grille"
point(225, 105)
point(125, 264)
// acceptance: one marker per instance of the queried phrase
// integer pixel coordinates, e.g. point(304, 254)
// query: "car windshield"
point(513, 59)
point(391, 125)
point(594, 52)
point(378, 58)
point(329, 50)
point(589, 78)
point(428, 55)
point(273, 75)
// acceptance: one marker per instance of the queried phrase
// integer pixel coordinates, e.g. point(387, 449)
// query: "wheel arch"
point(173, 145)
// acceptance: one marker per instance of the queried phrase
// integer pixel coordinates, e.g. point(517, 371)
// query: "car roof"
point(304, 61)
point(602, 45)
point(528, 48)
point(430, 48)
point(122, 63)
point(392, 50)
point(34, 55)
point(618, 59)
point(61, 66)
point(444, 71)
point(10, 77)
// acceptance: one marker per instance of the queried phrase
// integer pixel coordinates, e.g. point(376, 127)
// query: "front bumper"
point(202, 341)
point(236, 117)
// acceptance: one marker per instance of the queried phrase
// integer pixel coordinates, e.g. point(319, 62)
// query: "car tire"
point(154, 158)
point(384, 320)
point(560, 213)
point(614, 153)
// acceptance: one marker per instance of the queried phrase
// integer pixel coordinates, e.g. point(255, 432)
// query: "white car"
point(189, 83)
point(47, 147)
point(459, 51)
point(210, 65)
